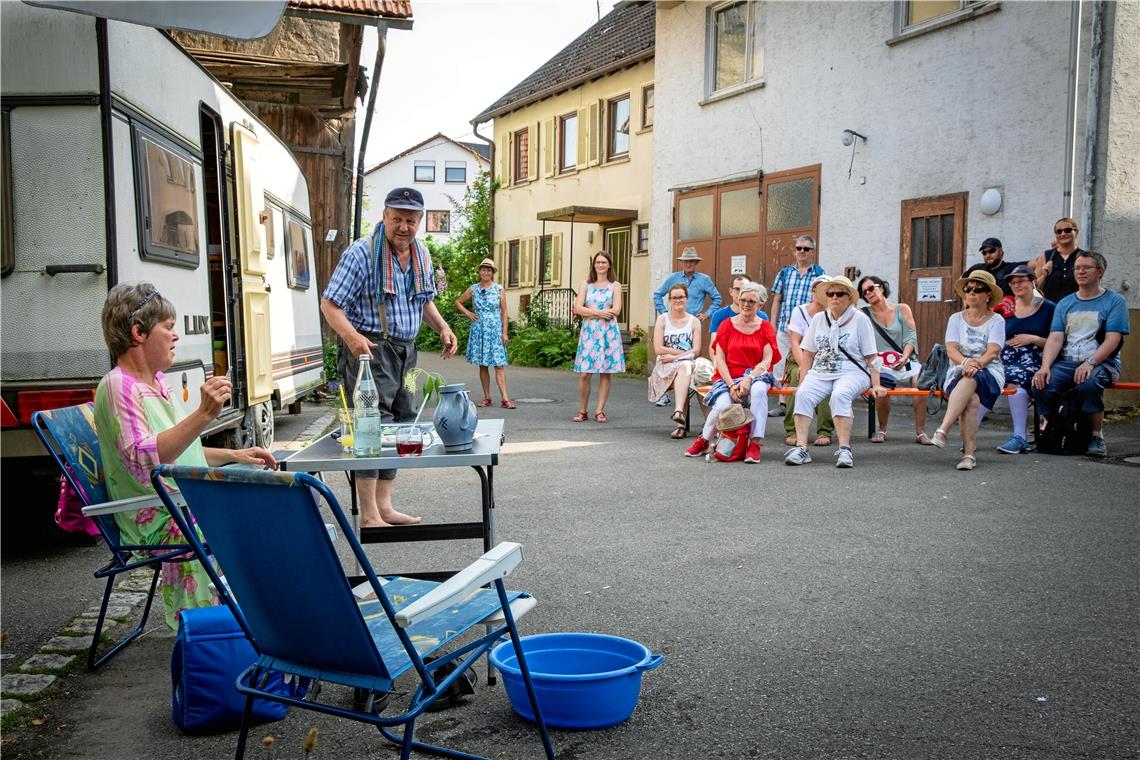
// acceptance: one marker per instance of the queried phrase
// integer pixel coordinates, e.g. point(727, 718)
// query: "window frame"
point(968, 9)
point(423, 165)
point(642, 250)
point(291, 275)
point(514, 262)
point(545, 260)
point(7, 226)
point(149, 251)
point(751, 79)
point(520, 156)
point(611, 132)
point(428, 225)
point(563, 167)
point(461, 166)
point(647, 90)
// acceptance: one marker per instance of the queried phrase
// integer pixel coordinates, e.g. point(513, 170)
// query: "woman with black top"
point(1054, 267)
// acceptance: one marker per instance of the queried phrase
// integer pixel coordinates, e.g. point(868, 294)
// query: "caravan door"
point(250, 202)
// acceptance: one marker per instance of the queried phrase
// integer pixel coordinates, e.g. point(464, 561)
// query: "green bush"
point(637, 359)
point(531, 346)
point(331, 373)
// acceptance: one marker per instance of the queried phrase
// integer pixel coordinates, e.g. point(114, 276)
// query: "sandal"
point(922, 439)
point(601, 417)
point(823, 440)
point(508, 404)
point(678, 433)
point(581, 416)
point(485, 402)
point(880, 436)
point(678, 417)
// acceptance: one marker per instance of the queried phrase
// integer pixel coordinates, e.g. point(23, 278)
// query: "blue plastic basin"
point(581, 680)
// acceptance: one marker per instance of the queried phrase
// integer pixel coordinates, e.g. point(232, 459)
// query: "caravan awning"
point(588, 215)
point(236, 19)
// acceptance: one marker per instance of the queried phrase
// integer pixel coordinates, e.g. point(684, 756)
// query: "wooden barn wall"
point(323, 150)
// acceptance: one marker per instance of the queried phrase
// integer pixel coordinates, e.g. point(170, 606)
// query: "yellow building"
point(573, 157)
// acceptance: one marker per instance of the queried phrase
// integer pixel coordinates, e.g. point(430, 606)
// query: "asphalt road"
point(901, 609)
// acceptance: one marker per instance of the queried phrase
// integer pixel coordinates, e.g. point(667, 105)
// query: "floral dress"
point(1022, 362)
point(129, 415)
point(485, 343)
point(599, 344)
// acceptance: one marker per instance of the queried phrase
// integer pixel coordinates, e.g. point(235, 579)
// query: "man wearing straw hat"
point(392, 268)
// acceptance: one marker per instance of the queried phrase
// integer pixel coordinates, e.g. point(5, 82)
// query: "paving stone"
point(87, 625)
point(47, 662)
point(129, 598)
point(67, 644)
point(113, 611)
point(25, 684)
point(6, 657)
point(8, 705)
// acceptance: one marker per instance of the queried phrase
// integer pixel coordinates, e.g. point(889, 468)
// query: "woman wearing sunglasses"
point(1054, 267)
point(841, 361)
point(974, 338)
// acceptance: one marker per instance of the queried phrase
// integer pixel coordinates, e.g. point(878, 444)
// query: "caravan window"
point(297, 262)
point(274, 241)
point(168, 195)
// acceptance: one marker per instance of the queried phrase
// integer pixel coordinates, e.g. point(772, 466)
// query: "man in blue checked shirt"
point(700, 287)
point(792, 288)
point(393, 268)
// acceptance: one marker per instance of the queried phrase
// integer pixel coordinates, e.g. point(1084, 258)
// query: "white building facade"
point(440, 168)
point(878, 127)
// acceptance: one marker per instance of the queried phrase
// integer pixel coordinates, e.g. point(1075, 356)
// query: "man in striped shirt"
point(792, 288)
point(391, 266)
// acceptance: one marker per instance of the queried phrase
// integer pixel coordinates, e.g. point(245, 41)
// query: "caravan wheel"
point(262, 419)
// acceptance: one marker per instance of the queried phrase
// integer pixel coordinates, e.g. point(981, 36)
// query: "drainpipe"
point(374, 85)
point(1071, 110)
point(107, 138)
point(490, 186)
point(1096, 51)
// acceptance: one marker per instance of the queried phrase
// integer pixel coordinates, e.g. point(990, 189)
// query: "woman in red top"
point(745, 352)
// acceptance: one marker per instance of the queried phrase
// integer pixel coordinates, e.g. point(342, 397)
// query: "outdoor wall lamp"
point(848, 136)
point(991, 201)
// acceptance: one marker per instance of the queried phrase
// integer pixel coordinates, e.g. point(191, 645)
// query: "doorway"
point(618, 245)
point(789, 208)
point(932, 251)
point(221, 324)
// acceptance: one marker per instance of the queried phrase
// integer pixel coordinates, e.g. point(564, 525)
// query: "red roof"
point(378, 8)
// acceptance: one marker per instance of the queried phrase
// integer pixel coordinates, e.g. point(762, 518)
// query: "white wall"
point(977, 104)
point(438, 195)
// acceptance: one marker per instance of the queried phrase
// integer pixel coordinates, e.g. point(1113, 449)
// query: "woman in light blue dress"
point(487, 342)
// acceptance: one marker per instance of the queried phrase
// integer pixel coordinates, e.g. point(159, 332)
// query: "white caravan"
point(125, 161)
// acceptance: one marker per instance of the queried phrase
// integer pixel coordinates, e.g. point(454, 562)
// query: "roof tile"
point(378, 8)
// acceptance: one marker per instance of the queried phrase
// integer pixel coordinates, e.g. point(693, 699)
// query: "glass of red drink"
point(410, 440)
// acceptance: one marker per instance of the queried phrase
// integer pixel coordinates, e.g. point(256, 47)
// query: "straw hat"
point(689, 254)
point(488, 263)
point(822, 279)
point(733, 416)
point(846, 284)
point(984, 278)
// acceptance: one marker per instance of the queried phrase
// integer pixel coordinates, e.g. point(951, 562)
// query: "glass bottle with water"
point(366, 412)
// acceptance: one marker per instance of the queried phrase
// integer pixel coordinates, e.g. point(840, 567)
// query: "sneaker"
point(663, 401)
point(699, 447)
point(938, 440)
point(777, 411)
point(753, 455)
point(843, 457)
point(1015, 445)
point(967, 462)
point(797, 455)
point(1096, 448)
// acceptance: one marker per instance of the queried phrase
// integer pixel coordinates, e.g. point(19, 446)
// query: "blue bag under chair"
point(209, 653)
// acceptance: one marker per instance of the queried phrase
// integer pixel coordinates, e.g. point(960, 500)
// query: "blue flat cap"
point(405, 197)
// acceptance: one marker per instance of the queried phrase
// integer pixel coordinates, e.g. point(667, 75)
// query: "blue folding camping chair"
point(69, 436)
point(288, 590)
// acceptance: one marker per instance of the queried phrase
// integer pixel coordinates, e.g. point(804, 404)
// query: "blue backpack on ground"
point(210, 652)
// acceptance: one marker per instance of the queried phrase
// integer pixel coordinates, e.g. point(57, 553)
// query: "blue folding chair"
point(288, 590)
point(69, 436)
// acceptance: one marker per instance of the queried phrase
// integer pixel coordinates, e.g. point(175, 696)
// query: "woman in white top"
point(797, 327)
point(676, 342)
point(974, 338)
point(840, 362)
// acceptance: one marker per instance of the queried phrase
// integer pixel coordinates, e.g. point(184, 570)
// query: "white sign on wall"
point(929, 289)
point(739, 263)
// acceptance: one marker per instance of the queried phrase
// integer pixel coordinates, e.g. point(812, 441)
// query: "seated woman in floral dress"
point(1026, 331)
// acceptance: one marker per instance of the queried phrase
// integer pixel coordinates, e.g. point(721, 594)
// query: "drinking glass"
point(344, 417)
point(410, 440)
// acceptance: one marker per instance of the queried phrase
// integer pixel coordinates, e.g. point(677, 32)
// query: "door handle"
point(950, 300)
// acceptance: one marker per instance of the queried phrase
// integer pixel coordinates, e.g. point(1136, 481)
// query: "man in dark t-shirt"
point(993, 261)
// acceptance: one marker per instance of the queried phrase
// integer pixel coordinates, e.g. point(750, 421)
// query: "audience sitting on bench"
point(676, 342)
point(797, 325)
point(1026, 331)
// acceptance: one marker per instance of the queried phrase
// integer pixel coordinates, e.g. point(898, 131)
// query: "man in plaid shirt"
point(792, 288)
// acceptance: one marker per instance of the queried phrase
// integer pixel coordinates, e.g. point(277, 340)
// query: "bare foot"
point(399, 518)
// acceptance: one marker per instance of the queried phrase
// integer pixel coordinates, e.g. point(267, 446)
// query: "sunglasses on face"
point(869, 290)
point(1084, 268)
point(837, 294)
point(1064, 230)
point(988, 251)
point(678, 298)
point(804, 248)
point(969, 289)
point(748, 302)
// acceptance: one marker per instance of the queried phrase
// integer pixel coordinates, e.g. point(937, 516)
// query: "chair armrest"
point(130, 505)
point(495, 564)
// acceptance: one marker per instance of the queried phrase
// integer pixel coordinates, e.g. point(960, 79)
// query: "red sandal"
point(508, 404)
point(580, 416)
point(484, 402)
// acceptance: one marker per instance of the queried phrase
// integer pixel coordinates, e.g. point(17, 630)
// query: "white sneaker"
point(663, 401)
point(843, 457)
point(797, 455)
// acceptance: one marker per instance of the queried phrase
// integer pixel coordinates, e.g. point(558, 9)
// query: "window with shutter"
point(556, 260)
point(526, 277)
point(548, 148)
point(532, 151)
point(505, 160)
point(583, 129)
point(594, 135)
point(499, 251)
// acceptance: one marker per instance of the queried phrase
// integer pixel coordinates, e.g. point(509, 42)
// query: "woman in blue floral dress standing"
point(600, 351)
point(487, 343)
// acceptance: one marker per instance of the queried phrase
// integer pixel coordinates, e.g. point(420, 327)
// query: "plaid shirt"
point(353, 287)
point(794, 289)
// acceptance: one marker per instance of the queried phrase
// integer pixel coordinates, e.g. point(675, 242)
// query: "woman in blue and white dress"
point(487, 342)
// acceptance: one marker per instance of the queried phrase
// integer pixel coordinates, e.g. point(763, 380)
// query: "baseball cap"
point(990, 243)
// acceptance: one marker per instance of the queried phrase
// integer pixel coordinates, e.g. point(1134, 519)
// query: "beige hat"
point(689, 254)
point(844, 283)
point(985, 278)
point(488, 263)
point(733, 416)
point(822, 279)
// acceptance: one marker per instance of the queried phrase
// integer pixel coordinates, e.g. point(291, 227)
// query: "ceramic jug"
point(455, 418)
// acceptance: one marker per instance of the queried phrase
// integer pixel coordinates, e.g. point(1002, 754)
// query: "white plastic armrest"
point(495, 564)
point(519, 607)
point(130, 505)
